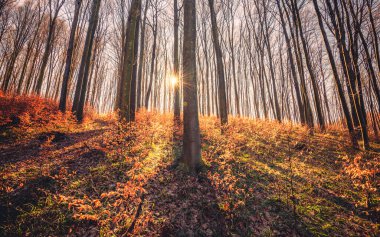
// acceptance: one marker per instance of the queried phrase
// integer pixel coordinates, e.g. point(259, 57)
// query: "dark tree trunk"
point(86, 58)
point(220, 67)
point(338, 85)
point(191, 135)
point(153, 59)
point(357, 112)
point(309, 66)
point(177, 109)
point(141, 59)
point(69, 57)
point(133, 34)
point(292, 66)
point(48, 48)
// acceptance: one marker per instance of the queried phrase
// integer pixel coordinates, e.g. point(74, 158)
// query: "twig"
point(138, 212)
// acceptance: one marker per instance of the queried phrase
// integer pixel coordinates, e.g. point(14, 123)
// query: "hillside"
point(189, 118)
point(102, 177)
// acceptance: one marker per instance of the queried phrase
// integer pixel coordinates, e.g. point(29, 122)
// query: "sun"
point(173, 79)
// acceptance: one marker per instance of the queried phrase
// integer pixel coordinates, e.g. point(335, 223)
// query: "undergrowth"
point(106, 178)
point(24, 116)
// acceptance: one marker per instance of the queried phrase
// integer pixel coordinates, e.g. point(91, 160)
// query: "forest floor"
point(260, 178)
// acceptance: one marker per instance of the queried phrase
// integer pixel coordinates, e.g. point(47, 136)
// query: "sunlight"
point(173, 79)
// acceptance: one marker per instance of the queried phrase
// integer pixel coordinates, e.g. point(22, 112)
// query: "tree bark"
point(309, 66)
point(153, 59)
point(69, 57)
point(338, 85)
point(177, 109)
point(220, 67)
point(86, 58)
point(48, 46)
point(191, 135)
point(133, 60)
point(141, 58)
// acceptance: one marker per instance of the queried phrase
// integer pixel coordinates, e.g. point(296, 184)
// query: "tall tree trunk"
point(368, 57)
point(191, 135)
point(23, 71)
point(133, 34)
point(304, 92)
point(277, 112)
point(338, 27)
point(48, 47)
point(69, 57)
point(32, 67)
point(374, 34)
point(86, 58)
point(177, 109)
point(220, 67)
point(309, 66)
point(292, 65)
point(9, 71)
point(338, 85)
point(152, 67)
point(141, 58)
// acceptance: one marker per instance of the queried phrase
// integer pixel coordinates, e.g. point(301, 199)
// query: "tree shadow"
point(21, 151)
point(323, 192)
point(187, 204)
point(182, 203)
point(373, 216)
point(263, 214)
point(34, 197)
point(14, 153)
point(29, 193)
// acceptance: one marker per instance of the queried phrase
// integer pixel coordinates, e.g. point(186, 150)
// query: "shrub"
point(30, 114)
point(364, 171)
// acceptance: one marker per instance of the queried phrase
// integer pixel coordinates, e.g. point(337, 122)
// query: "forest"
point(189, 118)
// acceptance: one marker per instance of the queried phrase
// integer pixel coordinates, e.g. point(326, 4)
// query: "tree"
point(69, 57)
point(292, 65)
point(220, 65)
point(132, 97)
point(141, 58)
point(297, 19)
point(191, 135)
point(271, 66)
point(177, 110)
point(128, 76)
point(338, 85)
point(24, 15)
point(351, 75)
point(54, 8)
point(294, 32)
point(154, 27)
point(80, 93)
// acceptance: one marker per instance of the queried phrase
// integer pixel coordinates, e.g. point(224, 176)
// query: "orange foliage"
point(129, 169)
point(33, 114)
point(363, 171)
point(31, 111)
point(136, 145)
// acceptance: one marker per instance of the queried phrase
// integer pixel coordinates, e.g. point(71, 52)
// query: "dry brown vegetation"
point(104, 177)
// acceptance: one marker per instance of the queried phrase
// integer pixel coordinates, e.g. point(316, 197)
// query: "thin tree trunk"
point(141, 58)
point(347, 63)
point(86, 58)
point(220, 67)
point(177, 109)
point(309, 66)
point(153, 59)
point(69, 57)
point(48, 48)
